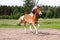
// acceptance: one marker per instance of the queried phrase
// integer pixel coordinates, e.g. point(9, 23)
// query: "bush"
point(15, 16)
point(4, 17)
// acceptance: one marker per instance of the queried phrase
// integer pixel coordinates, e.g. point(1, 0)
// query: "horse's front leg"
point(35, 29)
point(30, 27)
point(38, 26)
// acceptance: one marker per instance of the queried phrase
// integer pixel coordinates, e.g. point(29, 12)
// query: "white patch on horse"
point(31, 14)
point(21, 18)
point(40, 12)
point(34, 8)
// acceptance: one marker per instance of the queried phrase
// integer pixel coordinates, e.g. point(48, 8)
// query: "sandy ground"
point(18, 34)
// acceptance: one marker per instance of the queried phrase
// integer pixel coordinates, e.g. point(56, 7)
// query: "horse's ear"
point(38, 6)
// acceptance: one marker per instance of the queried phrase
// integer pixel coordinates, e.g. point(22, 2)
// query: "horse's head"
point(37, 9)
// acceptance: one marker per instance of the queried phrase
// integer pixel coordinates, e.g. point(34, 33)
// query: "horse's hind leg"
point(20, 22)
point(38, 26)
point(25, 30)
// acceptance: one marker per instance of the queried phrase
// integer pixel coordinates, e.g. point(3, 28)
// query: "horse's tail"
point(20, 20)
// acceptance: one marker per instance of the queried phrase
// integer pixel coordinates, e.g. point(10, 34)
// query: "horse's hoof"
point(31, 30)
point(26, 33)
point(36, 32)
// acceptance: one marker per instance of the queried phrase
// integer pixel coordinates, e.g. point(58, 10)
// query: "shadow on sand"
point(46, 33)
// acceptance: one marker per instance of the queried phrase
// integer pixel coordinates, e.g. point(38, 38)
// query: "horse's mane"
point(38, 6)
point(33, 11)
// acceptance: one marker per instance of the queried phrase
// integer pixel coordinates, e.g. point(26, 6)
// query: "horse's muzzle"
point(40, 13)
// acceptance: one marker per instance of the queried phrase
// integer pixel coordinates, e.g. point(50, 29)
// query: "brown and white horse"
point(31, 18)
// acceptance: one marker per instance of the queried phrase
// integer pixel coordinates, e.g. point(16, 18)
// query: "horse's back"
point(28, 18)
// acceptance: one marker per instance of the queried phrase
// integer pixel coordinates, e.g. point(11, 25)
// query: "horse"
point(31, 18)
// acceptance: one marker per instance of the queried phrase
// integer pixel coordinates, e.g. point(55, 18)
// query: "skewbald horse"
point(31, 18)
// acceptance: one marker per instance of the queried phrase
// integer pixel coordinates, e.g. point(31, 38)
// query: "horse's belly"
point(29, 21)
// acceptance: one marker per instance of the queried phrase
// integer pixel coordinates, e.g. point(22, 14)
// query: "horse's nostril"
point(40, 14)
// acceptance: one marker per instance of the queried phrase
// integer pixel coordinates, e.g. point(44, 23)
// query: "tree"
point(15, 10)
point(28, 5)
point(58, 11)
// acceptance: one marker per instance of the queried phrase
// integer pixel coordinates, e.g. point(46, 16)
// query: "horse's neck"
point(36, 16)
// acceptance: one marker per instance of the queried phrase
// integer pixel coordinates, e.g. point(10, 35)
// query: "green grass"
point(45, 23)
point(50, 23)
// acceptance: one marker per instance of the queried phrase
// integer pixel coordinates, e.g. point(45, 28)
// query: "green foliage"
point(29, 4)
point(16, 16)
point(4, 17)
point(50, 12)
point(14, 12)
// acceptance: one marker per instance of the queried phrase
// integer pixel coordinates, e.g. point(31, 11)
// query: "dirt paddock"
point(18, 34)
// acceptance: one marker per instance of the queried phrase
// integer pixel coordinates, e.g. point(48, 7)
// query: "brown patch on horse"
point(32, 19)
